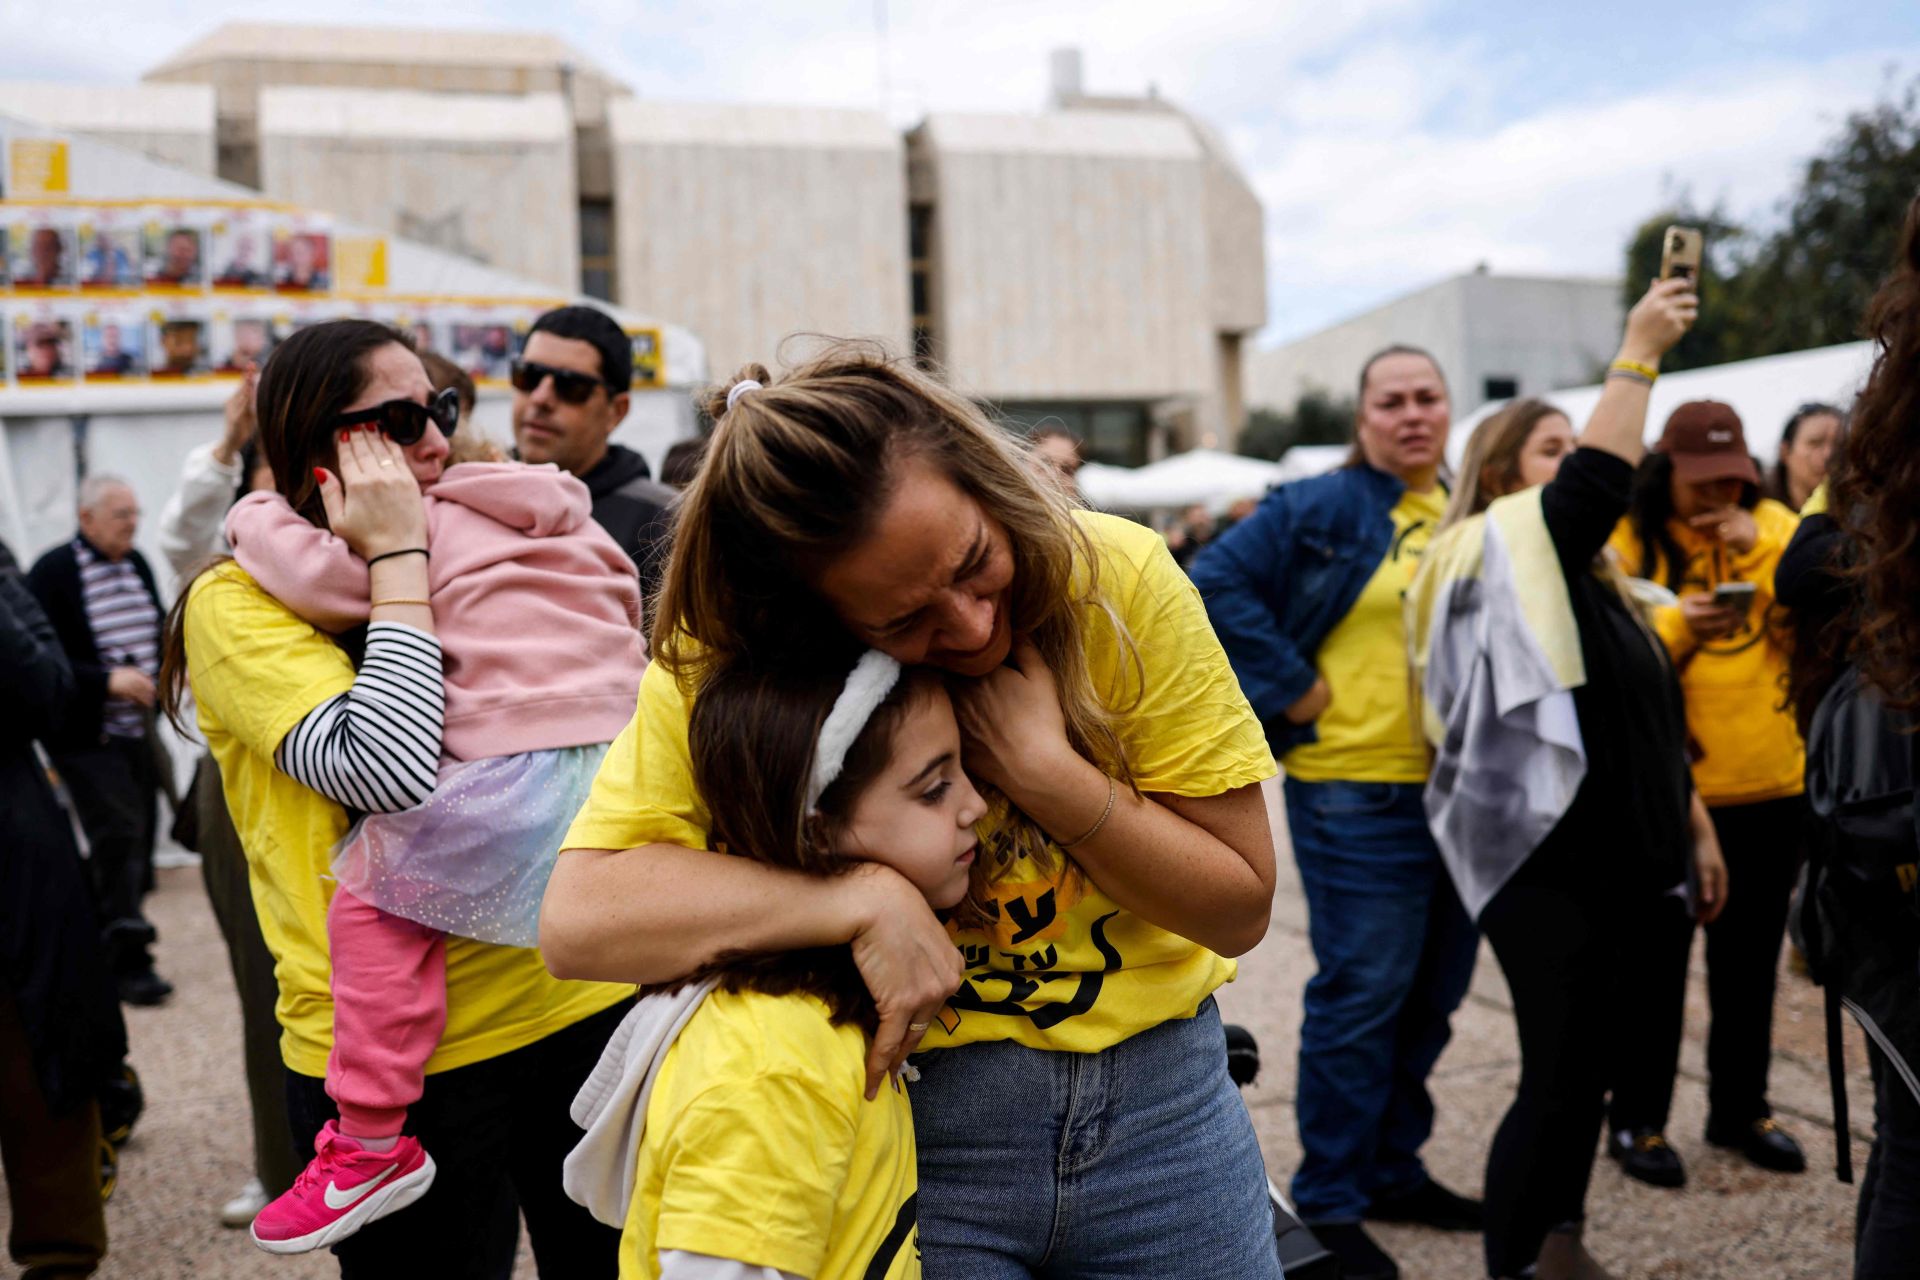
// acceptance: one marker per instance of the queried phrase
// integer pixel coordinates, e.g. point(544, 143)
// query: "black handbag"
point(1857, 919)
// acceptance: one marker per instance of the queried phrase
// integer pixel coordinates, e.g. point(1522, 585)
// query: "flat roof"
point(634, 120)
point(414, 115)
point(1132, 134)
point(426, 46)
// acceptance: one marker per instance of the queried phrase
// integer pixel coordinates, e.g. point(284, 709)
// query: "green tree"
point(1805, 283)
point(1316, 418)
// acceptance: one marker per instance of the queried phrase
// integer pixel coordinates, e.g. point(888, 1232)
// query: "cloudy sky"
point(1393, 142)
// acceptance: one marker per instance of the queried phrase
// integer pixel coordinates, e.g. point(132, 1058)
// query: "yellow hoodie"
point(1734, 687)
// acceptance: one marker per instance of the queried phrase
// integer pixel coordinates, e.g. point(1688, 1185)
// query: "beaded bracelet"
point(1113, 793)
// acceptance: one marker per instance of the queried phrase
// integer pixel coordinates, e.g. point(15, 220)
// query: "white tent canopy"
point(1199, 477)
point(1764, 392)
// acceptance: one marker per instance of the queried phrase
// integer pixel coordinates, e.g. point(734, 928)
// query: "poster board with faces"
point(44, 341)
point(42, 249)
point(112, 252)
point(303, 254)
point(174, 241)
point(179, 339)
point(242, 242)
point(484, 341)
point(113, 342)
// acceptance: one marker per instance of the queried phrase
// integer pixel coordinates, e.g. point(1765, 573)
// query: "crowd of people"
point(851, 901)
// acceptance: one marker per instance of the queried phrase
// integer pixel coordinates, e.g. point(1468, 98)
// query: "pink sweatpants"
point(389, 1008)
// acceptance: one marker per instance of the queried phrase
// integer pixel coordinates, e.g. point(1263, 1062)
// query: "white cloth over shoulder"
point(1510, 759)
point(612, 1105)
point(678, 1264)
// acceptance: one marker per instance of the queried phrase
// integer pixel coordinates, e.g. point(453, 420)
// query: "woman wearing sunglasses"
point(381, 648)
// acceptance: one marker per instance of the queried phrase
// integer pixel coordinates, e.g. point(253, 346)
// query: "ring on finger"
point(918, 1026)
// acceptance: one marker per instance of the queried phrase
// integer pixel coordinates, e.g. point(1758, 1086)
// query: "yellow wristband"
point(424, 604)
point(1646, 371)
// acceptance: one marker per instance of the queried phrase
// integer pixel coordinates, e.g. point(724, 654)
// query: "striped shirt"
point(125, 623)
point(376, 747)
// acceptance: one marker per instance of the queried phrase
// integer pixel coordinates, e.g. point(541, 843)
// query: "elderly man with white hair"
point(99, 594)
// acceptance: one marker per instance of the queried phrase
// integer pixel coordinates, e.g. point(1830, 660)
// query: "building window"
point(598, 277)
point(920, 281)
point(1110, 433)
point(1500, 388)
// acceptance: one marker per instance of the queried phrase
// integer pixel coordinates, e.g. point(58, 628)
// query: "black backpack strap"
point(1837, 1082)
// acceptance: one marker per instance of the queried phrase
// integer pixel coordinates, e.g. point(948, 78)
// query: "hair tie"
point(739, 389)
point(868, 685)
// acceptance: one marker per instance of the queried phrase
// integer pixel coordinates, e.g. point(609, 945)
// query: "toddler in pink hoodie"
point(537, 611)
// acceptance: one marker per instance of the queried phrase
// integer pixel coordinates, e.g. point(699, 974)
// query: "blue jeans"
point(1395, 952)
point(1139, 1160)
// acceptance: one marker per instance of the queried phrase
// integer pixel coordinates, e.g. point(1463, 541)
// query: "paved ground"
point(1733, 1222)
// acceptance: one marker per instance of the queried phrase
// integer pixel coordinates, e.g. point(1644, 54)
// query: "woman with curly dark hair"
point(1860, 566)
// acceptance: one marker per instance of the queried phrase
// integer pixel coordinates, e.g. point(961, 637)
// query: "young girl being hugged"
point(728, 1131)
point(470, 789)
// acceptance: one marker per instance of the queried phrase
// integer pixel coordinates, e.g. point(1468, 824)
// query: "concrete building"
point(1099, 263)
point(170, 123)
point(1495, 336)
point(760, 222)
point(489, 178)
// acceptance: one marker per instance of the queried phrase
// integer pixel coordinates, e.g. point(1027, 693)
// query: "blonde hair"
point(796, 474)
point(1490, 468)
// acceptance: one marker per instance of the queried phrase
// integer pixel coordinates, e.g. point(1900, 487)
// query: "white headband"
point(868, 685)
point(739, 389)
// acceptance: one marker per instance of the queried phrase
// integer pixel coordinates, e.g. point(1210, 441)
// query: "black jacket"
point(50, 953)
point(636, 509)
point(55, 579)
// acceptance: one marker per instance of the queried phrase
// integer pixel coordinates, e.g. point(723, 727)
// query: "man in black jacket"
point(61, 1036)
point(99, 594)
point(571, 390)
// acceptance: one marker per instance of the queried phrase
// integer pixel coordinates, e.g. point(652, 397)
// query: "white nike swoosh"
point(338, 1200)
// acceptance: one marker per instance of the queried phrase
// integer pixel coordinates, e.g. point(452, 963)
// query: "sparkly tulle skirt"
point(473, 858)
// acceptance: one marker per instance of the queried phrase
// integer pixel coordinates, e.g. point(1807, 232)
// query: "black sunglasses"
point(572, 386)
point(405, 421)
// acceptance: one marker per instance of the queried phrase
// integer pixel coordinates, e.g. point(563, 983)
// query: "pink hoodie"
point(537, 608)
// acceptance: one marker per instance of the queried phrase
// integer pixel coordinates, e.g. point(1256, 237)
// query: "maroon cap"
point(1706, 442)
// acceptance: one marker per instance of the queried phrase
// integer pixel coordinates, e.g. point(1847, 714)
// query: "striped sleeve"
point(376, 747)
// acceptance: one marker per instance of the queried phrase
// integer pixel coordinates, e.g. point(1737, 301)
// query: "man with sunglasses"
point(570, 393)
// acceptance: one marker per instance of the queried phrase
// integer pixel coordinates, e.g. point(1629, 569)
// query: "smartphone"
point(1680, 250)
point(1738, 595)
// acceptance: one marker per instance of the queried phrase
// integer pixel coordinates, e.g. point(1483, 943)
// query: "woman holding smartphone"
point(1699, 528)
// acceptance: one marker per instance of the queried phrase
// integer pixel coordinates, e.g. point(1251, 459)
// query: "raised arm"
point(1659, 320)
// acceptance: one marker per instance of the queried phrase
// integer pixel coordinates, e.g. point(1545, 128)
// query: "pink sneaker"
point(343, 1189)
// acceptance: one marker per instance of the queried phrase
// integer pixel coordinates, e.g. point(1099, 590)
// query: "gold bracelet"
point(424, 604)
point(1113, 792)
point(1646, 371)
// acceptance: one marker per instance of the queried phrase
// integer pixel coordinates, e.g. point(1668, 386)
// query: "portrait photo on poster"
point(302, 257)
point(113, 344)
point(110, 251)
point(176, 251)
point(42, 346)
point(41, 251)
point(241, 340)
point(243, 250)
point(179, 338)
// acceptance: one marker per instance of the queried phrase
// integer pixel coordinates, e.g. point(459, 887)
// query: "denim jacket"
point(1280, 580)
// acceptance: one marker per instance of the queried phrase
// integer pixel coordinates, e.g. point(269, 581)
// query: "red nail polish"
point(319, 475)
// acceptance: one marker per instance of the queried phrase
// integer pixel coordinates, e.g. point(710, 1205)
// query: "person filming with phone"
point(1699, 528)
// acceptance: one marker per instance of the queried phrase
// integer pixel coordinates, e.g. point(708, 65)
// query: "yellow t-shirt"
point(760, 1146)
point(1368, 732)
point(1816, 502)
point(1063, 967)
point(256, 670)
